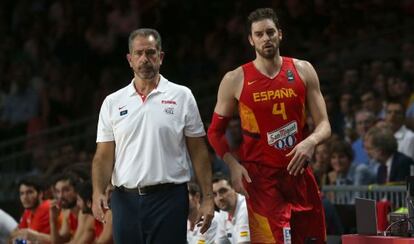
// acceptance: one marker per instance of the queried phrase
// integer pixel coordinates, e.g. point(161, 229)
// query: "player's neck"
point(32, 209)
point(144, 87)
point(268, 67)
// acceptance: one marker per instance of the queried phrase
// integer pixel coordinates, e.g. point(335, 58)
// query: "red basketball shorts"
point(283, 208)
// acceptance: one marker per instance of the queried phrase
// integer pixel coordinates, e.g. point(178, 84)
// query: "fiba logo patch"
point(290, 76)
point(286, 235)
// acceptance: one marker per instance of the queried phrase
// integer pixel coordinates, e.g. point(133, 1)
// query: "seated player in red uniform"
point(34, 223)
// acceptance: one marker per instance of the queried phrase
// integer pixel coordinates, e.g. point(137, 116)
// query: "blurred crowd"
point(61, 58)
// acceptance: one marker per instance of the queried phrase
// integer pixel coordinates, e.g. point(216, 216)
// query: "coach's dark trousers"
point(155, 218)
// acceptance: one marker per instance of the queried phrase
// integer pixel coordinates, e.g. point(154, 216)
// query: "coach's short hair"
point(144, 32)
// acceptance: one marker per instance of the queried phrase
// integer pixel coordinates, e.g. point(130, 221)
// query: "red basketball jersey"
point(272, 113)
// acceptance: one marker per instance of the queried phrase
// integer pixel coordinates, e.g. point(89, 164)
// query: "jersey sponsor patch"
point(286, 235)
point(123, 112)
point(283, 137)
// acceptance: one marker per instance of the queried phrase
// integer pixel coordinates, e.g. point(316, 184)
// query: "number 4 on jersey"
point(279, 109)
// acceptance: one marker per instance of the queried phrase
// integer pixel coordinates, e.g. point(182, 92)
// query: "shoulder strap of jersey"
point(250, 72)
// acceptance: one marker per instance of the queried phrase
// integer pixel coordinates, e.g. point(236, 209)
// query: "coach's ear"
point(162, 54)
point(129, 58)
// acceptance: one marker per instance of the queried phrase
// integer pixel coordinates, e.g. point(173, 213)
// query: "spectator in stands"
point(344, 172)
point(104, 87)
point(394, 117)
point(34, 223)
point(399, 87)
point(321, 164)
point(7, 225)
point(372, 101)
point(346, 107)
point(363, 121)
point(409, 115)
point(99, 37)
point(406, 88)
point(124, 17)
point(350, 79)
point(21, 104)
point(381, 145)
point(63, 209)
point(332, 108)
point(379, 85)
point(233, 221)
point(193, 231)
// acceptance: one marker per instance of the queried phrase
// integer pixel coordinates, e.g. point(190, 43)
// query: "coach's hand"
point(205, 214)
point(237, 172)
point(302, 154)
point(99, 203)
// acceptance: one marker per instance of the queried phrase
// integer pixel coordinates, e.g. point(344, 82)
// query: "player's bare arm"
point(229, 92)
point(303, 152)
point(102, 166)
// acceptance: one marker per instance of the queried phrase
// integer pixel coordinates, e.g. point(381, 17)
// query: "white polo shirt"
point(150, 145)
point(234, 229)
